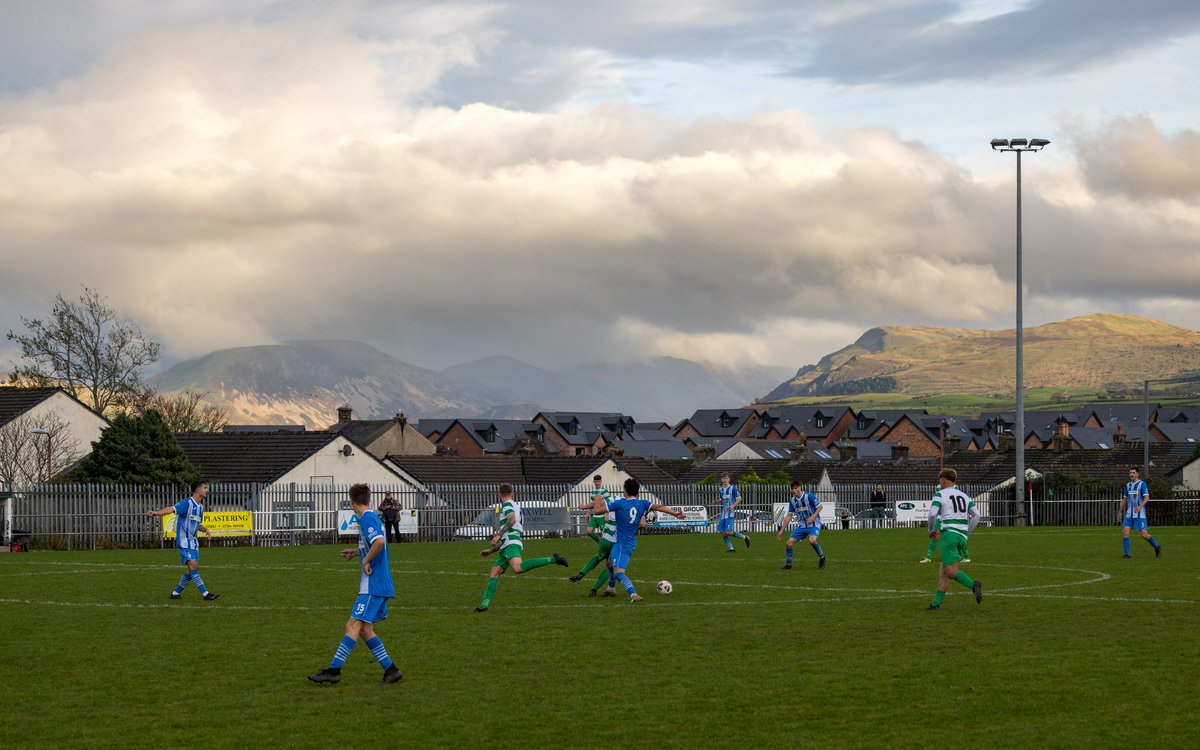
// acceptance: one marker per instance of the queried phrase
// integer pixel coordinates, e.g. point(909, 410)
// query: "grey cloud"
point(273, 207)
point(919, 44)
point(1130, 156)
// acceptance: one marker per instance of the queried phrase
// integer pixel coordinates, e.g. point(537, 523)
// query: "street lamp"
point(49, 455)
point(1019, 146)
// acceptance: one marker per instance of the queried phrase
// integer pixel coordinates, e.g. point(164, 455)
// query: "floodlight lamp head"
point(1015, 142)
point(999, 143)
point(1038, 143)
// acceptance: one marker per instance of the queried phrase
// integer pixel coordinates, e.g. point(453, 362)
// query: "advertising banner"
point(348, 522)
point(693, 515)
point(220, 523)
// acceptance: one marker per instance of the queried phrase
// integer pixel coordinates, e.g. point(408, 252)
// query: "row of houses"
point(810, 444)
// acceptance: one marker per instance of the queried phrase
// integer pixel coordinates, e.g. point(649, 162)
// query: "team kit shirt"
point(189, 514)
point(729, 496)
point(602, 493)
point(1135, 494)
point(952, 508)
point(513, 535)
point(379, 583)
point(609, 533)
point(802, 507)
point(628, 512)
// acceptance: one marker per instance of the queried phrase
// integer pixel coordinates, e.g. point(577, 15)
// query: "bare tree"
point(86, 349)
point(183, 412)
point(26, 457)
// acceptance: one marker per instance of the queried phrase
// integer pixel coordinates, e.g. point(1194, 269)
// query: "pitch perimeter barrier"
point(77, 516)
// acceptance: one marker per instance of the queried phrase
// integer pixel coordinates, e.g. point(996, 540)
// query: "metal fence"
point(72, 516)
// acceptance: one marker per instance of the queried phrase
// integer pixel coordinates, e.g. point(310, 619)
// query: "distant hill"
point(1102, 351)
point(305, 382)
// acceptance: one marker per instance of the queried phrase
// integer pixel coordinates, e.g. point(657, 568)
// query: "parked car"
point(483, 526)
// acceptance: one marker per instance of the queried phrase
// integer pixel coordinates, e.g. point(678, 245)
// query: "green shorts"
point(603, 547)
point(595, 522)
point(954, 547)
point(507, 553)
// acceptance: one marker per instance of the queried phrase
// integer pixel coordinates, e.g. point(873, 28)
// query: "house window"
point(862, 424)
point(581, 451)
point(821, 421)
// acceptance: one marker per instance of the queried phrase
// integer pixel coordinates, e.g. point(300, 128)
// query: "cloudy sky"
point(734, 181)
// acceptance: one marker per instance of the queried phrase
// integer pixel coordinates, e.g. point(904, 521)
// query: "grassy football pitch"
point(1072, 647)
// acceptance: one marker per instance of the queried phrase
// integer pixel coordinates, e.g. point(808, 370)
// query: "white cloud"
point(235, 183)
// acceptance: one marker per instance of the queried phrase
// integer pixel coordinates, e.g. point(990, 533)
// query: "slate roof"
point(363, 431)
point(804, 471)
point(1179, 414)
point(1166, 459)
point(1126, 414)
point(1179, 432)
point(873, 418)
point(707, 422)
point(263, 428)
point(522, 470)
point(250, 456)
point(16, 401)
point(591, 425)
point(508, 432)
point(801, 418)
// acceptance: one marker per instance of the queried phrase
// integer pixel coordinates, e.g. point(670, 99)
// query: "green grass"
point(968, 404)
point(1072, 647)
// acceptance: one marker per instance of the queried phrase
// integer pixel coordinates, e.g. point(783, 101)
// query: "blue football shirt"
point(729, 496)
point(1135, 493)
point(379, 583)
point(628, 512)
point(189, 514)
point(802, 507)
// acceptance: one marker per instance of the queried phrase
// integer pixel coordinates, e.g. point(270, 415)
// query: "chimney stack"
point(952, 444)
point(847, 451)
point(1119, 435)
point(400, 420)
point(899, 452)
point(345, 413)
point(1008, 443)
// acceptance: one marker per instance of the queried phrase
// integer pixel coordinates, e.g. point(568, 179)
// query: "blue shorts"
point(369, 608)
point(1137, 524)
point(725, 524)
point(802, 531)
point(619, 557)
point(188, 554)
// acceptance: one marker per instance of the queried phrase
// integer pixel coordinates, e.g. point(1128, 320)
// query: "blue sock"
point(739, 535)
point(1153, 543)
point(818, 550)
point(1125, 542)
point(789, 555)
point(183, 582)
point(196, 579)
point(624, 581)
point(380, 652)
point(343, 650)
point(728, 542)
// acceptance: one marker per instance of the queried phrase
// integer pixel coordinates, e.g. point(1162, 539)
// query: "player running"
point(604, 543)
point(189, 520)
point(933, 542)
point(628, 512)
point(806, 510)
point(374, 589)
point(730, 497)
point(507, 541)
point(1133, 511)
point(959, 516)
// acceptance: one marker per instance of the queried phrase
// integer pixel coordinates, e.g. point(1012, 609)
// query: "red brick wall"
point(458, 439)
point(906, 433)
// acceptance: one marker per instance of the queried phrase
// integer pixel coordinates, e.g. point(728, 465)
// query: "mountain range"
point(1093, 351)
point(304, 382)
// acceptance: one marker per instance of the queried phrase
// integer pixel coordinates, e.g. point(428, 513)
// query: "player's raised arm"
point(164, 511)
point(677, 513)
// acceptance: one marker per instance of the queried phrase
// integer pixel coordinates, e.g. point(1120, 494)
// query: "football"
point(664, 587)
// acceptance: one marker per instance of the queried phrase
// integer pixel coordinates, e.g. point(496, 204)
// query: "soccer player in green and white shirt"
point(958, 516)
point(607, 537)
point(596, 522)
point(507, 541)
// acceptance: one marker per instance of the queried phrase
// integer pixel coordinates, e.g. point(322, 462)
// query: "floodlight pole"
point(1018, 146)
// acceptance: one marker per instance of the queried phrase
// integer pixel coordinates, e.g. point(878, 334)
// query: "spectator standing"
point(391, 517)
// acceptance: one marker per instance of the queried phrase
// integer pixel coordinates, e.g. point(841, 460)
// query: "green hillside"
point(1081, 359)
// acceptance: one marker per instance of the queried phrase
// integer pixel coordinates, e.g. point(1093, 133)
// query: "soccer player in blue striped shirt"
point(805, 509)
point(189, 521)
point(374, 589)
point(730, 497)
point(1133, 511)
